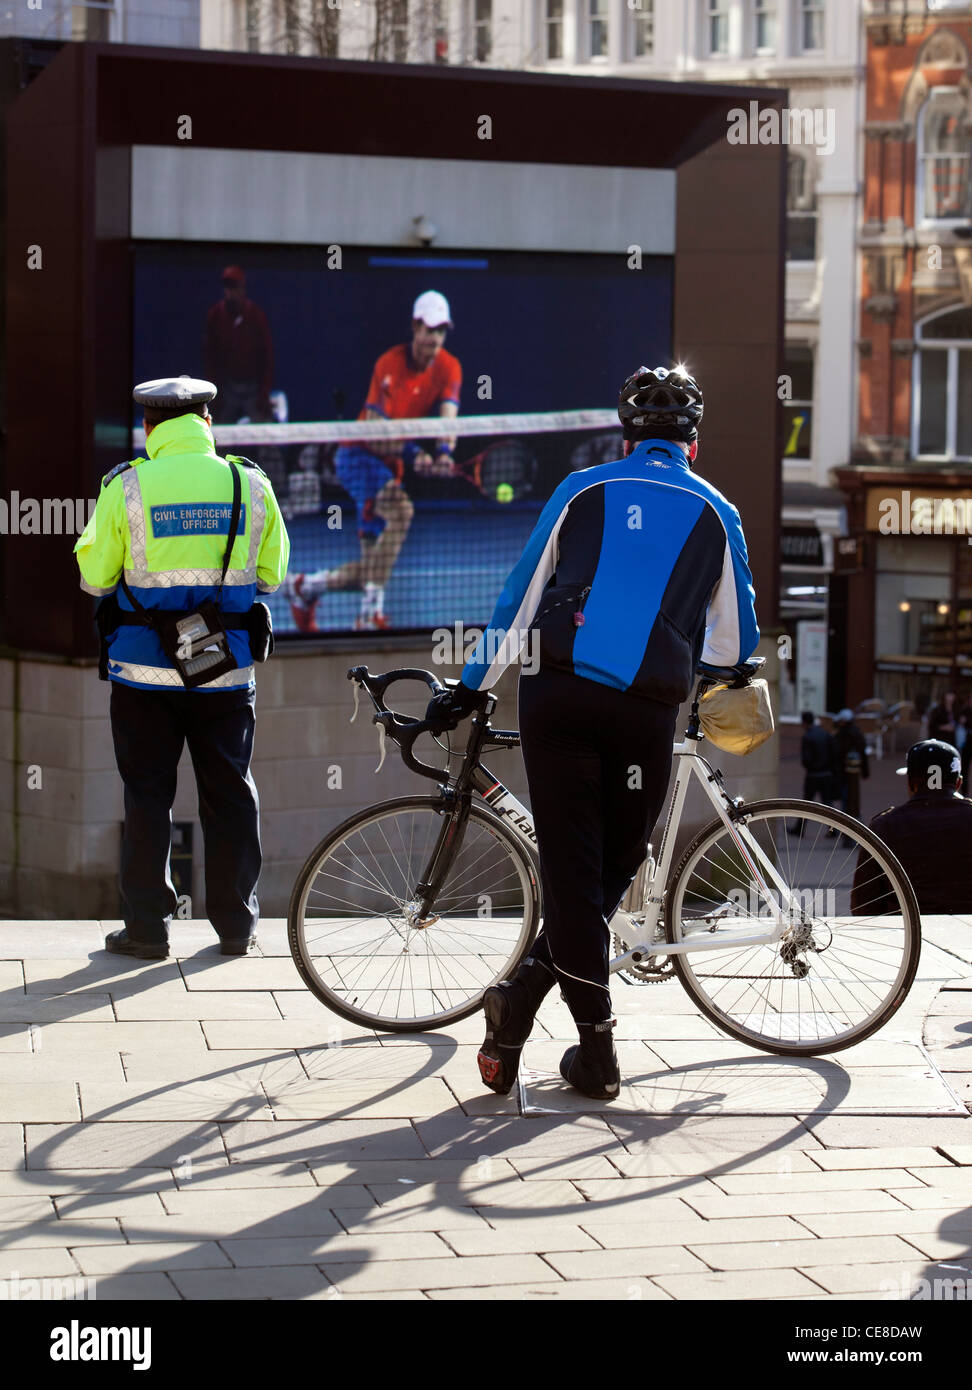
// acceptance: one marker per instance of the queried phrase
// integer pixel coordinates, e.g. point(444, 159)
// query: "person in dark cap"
point(177, 548)
point(238, 353)
point(931, 834)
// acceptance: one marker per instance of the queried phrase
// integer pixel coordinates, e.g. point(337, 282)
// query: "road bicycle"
point(791, 925)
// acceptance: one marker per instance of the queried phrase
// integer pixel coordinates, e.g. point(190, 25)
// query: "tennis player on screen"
point(409, 381)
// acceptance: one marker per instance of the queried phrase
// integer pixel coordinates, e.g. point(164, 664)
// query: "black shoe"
point(229, 947)
point(510, 1008)
point(121, 944)
point(591, 1066)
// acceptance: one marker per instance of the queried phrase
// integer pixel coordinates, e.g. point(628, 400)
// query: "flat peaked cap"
point(168, 392)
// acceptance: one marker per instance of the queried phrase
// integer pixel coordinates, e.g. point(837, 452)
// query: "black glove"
point(450, 706)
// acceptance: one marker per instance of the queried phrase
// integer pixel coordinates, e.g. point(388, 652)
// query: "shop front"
point(917, 580)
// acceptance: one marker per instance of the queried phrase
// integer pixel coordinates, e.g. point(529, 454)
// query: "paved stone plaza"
point(202, 1128)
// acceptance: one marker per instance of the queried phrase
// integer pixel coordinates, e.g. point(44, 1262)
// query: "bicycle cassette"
point(653, 970)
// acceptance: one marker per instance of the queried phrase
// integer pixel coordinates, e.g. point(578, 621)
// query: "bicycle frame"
point(638, 931)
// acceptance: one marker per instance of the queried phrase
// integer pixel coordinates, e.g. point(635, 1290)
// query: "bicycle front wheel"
point(354, 929)
point(851, 931)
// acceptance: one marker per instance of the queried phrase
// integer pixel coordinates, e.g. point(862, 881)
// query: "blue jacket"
point(652, 556)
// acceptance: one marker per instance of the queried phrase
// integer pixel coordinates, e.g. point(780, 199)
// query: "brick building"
point(909, 483)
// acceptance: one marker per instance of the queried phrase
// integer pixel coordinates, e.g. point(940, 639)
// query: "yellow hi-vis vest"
point(163, 522)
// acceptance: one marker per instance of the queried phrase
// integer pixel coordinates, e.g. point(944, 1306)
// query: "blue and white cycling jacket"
point(652, 557)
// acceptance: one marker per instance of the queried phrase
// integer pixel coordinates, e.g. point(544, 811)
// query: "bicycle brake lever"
point(356, 702)
point(381, 747)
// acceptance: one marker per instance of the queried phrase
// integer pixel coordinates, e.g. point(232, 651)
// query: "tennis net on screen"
point(388, 535)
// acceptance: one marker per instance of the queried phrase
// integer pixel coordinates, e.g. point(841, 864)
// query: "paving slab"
point(770, 1086)
point(159, 1037)
point(737, 1285)
point(342, 1139)
point(889, 1131)
point(167, 1002)
point(104, 973)
point(315, 1100)
point(437, 1274)
point(47, 1068)
point(618, 1235)
point(136, 1288)
point(520, 1239)
point(903, 1275)
point(232, 1226)
point(237, 1096)
point(958, 1153)
point(121, 1144)
point(35, 1235)
point(574, 1290)
point(56, 1008)
point(11, 1146)
point(145, 1071)
point(295, 1282)
point(781, 1203)
point(242, 973)
point(900, 1221)
point(36, 1101)
point(54, 1262)
point(81, 1206)
point(276, 1033)
point(800, 1254)
point(338, 1249)
point(647, 1262)
point(137, 1259)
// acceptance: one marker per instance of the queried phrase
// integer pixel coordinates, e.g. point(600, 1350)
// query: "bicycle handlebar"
point(400, 727)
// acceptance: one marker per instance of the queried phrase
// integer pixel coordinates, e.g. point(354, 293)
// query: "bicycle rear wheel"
point(353, 926)
point(852, 935)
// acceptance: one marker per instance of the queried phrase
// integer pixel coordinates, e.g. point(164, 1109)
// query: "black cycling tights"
point(598, 763)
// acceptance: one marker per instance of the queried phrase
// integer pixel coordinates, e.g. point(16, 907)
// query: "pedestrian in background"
point(931, 834)
point(850, 765)
point(817, 757)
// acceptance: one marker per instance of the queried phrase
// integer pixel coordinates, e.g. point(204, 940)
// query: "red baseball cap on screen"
point(233, 275)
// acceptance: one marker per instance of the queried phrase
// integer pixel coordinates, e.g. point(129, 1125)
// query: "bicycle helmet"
point(658, 403)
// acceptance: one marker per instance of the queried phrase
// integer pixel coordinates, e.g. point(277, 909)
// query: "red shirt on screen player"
point(400, 390)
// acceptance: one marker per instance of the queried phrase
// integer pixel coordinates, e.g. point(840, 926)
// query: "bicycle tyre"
point(480, 818)
point(840, 824)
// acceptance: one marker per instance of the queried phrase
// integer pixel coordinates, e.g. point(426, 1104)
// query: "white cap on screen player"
point(433, 309)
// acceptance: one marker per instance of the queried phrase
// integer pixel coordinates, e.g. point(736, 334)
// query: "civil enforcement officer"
point(178, 546)
point(931, 834)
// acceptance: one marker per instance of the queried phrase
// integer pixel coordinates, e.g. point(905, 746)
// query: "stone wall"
point(61, 797)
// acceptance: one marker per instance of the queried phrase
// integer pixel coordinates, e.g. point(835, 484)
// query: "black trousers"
point(598, 763)
point(149, 728)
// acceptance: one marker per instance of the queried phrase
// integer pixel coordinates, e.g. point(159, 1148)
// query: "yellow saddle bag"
point(737, 721)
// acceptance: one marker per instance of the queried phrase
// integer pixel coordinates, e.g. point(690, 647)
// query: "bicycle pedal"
point(489, 1067)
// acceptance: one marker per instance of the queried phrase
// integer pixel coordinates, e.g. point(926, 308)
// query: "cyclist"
point(636, 570)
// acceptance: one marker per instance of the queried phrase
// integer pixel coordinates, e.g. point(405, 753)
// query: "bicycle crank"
point(652, 970)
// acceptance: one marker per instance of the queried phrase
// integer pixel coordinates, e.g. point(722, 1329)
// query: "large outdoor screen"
point(391, 534)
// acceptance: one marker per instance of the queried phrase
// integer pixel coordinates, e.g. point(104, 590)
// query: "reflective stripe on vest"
point(166, 675)
point(139, 576)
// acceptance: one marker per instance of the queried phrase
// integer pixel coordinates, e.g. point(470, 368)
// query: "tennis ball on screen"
point(504, 492)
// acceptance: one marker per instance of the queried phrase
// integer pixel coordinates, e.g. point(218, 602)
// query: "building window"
point(942, 425)
point(399, 31)
point(481, 17)
point(944, 146)
point(91, 20)
point(554, 29)
point(718, 17)
point(251, 25)
point(291, 25)
point(642, 29)
point(765, 20)
point(597, 28)
point(801, 210)
point(798, 405)
point(811, 25)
